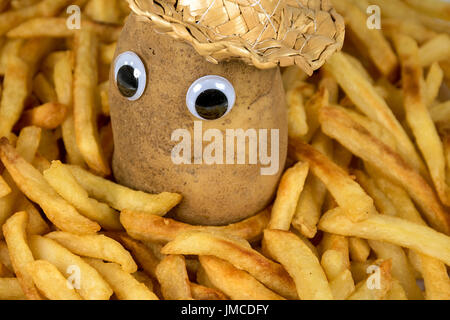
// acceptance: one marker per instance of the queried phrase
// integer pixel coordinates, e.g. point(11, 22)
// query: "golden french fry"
point(297, 125)
point(10, 48)
point(307, 213)
point(239, 253)
point(347, 193)
point(48, 116)
point(5, 189)
point(35, 187)
point(121, 198)
point(36, 224)
point(418, 117)
point(382, 202)
point(63, 79)
point(365, 97)
point(103, 88)
point(433, 81)
point(312, 107)
point(394, 97)
point(95, 246)
point(433, 271)
point(125, 286)
point(401, 269)
point(434, 50)
point(50, 281)
point(235, 283)
point(390, 229)
point(144, 226)
point(10, 289)
point(291, 75)
point(329, 84)
point(48, 147)
point(43, 89)
point(15, 91)
point(5, 259)
point(399, 9)
point(173, 278)
point(359, 141)
point(106, 11)
point(200, 292)
point(84, 102)
point(47, 8)
point(300, 262)
point(411, 28)
point(144, 278)
point(396, 292)
point(440, 112)
point(377, 47)
point(288, 194)
point(311, 199)
point(57, 28)
point(14, 231)
point(342, 286)
point(333, 263)
point(378, 289)
point(436, 8)
point(87, 281)
point(28, 142)
point(359, 249)
point(64, 183)
point(142, 254)
point(107, 53)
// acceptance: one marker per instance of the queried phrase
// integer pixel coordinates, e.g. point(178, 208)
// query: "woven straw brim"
point(262, 33)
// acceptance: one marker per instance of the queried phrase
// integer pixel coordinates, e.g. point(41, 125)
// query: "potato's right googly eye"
point(210, 97)
point(130, 75)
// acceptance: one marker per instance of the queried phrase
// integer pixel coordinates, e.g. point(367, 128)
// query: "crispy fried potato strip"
point(239, 253)
point(148, 227)
point(390, 229)
point(96, 246)
point(235, 283)
point(31, 182)
point(300, 262)
point(50, 281)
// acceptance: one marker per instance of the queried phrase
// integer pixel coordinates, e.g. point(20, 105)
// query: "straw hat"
point(264, 33)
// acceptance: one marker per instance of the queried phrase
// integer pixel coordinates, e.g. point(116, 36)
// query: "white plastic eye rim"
point(210, 82)
point(132, 59)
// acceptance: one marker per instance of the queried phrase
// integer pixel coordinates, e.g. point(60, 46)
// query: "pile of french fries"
point(361, 212)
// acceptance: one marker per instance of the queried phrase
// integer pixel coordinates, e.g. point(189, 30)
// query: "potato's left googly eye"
point(130, 75)
point(210, 97)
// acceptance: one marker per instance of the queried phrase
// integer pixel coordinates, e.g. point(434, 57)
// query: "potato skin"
point(212, 194)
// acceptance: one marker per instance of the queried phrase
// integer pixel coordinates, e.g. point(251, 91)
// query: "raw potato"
point(209, 191)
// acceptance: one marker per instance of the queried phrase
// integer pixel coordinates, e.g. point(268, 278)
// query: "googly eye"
point(210, 97)
point(130, 75)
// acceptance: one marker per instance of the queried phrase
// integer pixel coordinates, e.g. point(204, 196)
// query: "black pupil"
point(211, 104)
point(127, 82)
